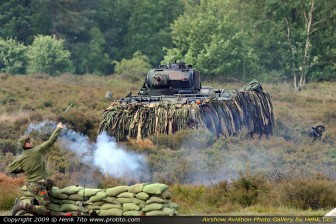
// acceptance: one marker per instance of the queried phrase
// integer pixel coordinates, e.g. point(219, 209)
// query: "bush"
point(271, 77)
point(47, 55)
point(134, 69)
point(9, 146)
point(78, 121)
point(192, 139)
point(12, 57)
point(311, 193)
point(244, 191)
point(10, 188)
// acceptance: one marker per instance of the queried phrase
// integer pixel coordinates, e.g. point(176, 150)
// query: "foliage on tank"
point(172, 99)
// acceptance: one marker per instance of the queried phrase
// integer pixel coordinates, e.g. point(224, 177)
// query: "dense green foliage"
point(268, 39)
point(46, 55)
point(134, 68)
point(249, 38)
point(12, 56)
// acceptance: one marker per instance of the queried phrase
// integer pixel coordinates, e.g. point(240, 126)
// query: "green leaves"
point(134, 68)
point(210, 37)
point(47, 55)
point(12, 56)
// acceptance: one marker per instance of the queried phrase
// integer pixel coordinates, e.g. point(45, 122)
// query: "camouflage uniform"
point(32, 164)
point(39, 190)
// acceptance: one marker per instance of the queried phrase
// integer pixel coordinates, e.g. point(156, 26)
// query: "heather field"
point(286, 174)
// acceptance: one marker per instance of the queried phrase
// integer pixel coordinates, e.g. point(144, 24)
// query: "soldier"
point(32, 164)
point(317, 131)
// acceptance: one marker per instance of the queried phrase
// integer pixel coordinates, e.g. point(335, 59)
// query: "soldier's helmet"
point(24, 139)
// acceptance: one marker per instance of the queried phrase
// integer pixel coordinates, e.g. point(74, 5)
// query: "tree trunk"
point(309, 21)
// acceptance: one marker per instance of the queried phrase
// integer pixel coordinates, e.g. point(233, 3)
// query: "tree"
point(94, 60)
point(15, 20)
point(47, 55)
point(134, 68)
point(210, 35)
point(149, 27)
point(12, 56)
point(296, 24)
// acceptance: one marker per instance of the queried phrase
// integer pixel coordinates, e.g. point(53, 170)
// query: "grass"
point(202, 171)
point(5, 213)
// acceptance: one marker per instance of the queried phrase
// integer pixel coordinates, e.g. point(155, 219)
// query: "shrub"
point(310, 193)
point(271, 77)
point(36, 116)
point(134, 68)
point(7, 145)
point(13, 57)
point(244, 191)
point(216, 195)
point(78, 121)
point(10, 188)
point(197, 139)
point(47, 55)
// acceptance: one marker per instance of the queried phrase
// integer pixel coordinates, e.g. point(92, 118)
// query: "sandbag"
point(170, 211)
point(166, 194)
point(126, 195)
point(110, 199)
point(115, 191)
point(57, 194)
point(94, 207)
point(69, 202)
point(54, 189)
point(69, 207)
point(130, 207)
point(152, 207)
point(55, 201)
point(98, 197)
point(77, 197)
point(128, 201)
point(88, 192)
point(111, 212)
point(109, 206)
point(124, 200)
point(142, 204)
point(142, 196)
point(71, 189)
point(155, 188)
point(136, 188)
point(55, 207)
point(137, 201)
point(99, 203)
point(157, 213)
point(133, 213)
point(173, 206)
point(24, 188)
point(155, 200)
point(27, 194)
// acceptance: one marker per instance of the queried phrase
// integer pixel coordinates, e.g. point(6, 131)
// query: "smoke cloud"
point(116, 161)
point(104, 154)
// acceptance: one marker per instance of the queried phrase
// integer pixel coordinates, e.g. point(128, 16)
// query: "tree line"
point(270, 39)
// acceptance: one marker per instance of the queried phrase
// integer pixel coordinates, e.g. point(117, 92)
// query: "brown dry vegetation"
point(286, 174)
point(9, 190)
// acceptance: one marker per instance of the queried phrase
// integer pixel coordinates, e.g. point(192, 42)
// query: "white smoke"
point(105, 154)
point(43, 127)
point(116, 161)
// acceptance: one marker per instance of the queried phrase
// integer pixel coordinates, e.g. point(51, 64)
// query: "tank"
point(172, 98)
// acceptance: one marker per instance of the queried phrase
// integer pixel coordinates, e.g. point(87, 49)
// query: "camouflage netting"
point(136, 200)
point(248, 108)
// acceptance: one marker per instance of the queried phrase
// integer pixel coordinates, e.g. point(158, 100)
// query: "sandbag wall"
point(250, 109)
point(135, 200)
